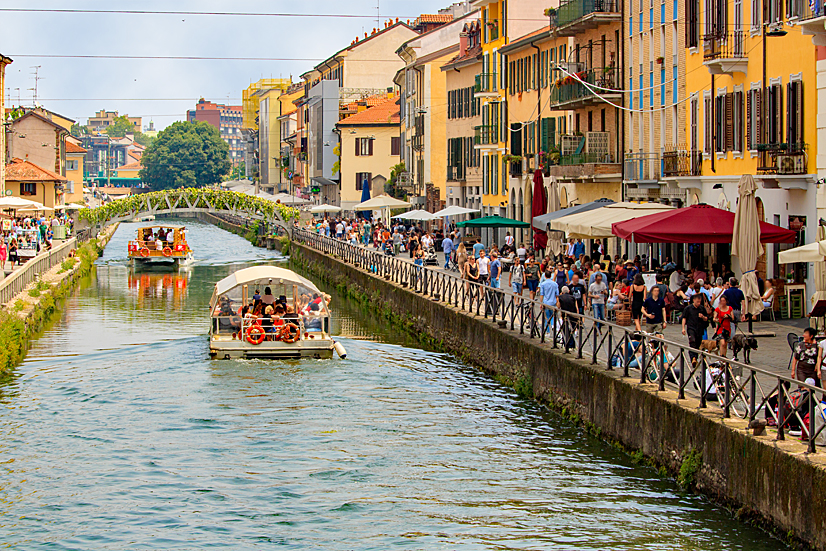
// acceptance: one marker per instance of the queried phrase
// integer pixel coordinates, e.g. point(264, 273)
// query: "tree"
point(238, 172)
point(143, 139)
point(120, 126)
point(390, 186)
point(78, 130)
point(185, 154)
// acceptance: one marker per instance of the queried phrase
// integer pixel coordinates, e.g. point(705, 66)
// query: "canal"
point(118, 432)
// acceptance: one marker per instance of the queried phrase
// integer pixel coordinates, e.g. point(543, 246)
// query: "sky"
point(163, 90)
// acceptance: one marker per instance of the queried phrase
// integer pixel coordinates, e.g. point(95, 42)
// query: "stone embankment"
point(24, 316)
point(774, 483)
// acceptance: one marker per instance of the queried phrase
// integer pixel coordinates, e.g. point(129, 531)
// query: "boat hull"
point(222, 349)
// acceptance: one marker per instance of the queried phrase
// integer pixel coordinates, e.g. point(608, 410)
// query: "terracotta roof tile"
point(72, 147)
point(433, 18)
point(19, 170)
point(134, 165)
point(384, 113)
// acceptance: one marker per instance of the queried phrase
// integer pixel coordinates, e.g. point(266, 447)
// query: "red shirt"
point(725, 323)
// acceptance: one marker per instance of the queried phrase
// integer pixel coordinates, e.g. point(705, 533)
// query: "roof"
point(42, 118)
point(261, 275)
point(433, 18)
point(134, 165)
point(19, 170)
point(72, 147)
point(526, 39)
point(361, 41)
point(472, 54)
point(384, 113)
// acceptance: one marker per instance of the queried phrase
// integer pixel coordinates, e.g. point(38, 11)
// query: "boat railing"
point(239, 327)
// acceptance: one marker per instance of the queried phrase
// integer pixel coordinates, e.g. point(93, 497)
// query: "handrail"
point(21, 278)
point(739, 386)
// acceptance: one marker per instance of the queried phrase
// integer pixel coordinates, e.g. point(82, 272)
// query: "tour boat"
point(160, 245)
point(237, 332)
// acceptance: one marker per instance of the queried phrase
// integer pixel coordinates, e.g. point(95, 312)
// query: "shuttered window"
point(754, 119)
point(794, 112)
point(737, 121)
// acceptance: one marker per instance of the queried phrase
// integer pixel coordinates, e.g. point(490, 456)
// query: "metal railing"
point(28, 273)
point(569, 89)
point(723, 45)
point(455, 173)
point(783, 158)
point(485, 135)
point(585, 158)
point(642, 167)
point(739, 389)
point(682, 162)
point(570, 11)
point(485, 82)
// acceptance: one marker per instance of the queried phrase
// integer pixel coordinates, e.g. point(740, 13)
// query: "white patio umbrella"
point(812, 252)
point(74, 206)
point(596, 224)
point(820, 271)
point(325, 208)
point(746, 245)
point(454, 210)
point(421, 215)
point(287, 199)
point(36, 207)
point(382, 202)
point(11, 202)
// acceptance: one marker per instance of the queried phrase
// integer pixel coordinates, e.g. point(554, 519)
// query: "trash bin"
point(59, 232)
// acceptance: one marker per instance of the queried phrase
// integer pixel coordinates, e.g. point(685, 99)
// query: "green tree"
point(120, 127)
point(186, 155)
point(143, 139)
point(390, 187)
point(78, 130)
point(238, 172)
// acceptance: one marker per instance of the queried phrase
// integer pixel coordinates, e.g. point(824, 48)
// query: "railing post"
point(781, 409)
point(625, 356)
point(581, 326)
point(703, 373)
point(681, 392)
point(594, 351)
point(644, 362)
point(811, 422)
point(661, 369)
point(726, 405)
point(610, 348)
point(753, 395)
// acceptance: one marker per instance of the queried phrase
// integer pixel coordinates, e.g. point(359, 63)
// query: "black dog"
point(746, 344)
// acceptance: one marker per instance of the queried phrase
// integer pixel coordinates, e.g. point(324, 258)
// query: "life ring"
point(286, 335)
point(144, 252)
point(256, 334)
point(167, 251)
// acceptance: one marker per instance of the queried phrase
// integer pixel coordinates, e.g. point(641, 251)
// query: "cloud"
point(65, 83)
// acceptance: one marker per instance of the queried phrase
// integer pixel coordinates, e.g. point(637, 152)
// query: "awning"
point(261, 275)
point(695, 224)
point(493, 222)
point(596, 223)
point(813, 252)
point(542, 222)
point(323, 181)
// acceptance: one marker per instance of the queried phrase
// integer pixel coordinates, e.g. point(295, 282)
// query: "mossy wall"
point(757, 477)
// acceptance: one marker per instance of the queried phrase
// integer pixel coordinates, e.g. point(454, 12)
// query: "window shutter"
point(799, 110)
point(729, 122)
point(504, 124)
point(749, 125)
point(358, 149)
point(757, 111)
point(370, 146)
point(778, 109)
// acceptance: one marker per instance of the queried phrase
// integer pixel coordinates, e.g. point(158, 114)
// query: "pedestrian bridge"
point(189, 201)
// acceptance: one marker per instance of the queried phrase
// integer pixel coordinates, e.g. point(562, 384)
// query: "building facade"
point(227, 119)
point(29, 181)
point(75, 161)
point(104, 118)
point(250, 99)
point(3, 62)
point(40, 141)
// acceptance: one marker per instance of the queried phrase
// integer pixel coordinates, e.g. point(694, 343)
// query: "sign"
point(650, 280)
point(6, 224)
point(8, 193)
point(315, 189)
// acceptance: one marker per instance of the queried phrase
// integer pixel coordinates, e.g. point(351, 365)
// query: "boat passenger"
point(267, 319)
point(268, 297)
point(158, 245)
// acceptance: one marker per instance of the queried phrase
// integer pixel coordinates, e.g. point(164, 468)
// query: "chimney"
point(397, 20)
point(463, 42)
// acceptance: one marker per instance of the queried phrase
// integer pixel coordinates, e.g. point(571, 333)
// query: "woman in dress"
point(636, 295)
point(3, 252)
point(723, 316)
point(461, 257)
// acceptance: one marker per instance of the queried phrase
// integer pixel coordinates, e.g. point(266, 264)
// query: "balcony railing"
point(485, 82)
point(568, 89)
point(515, 169)
point(573, 10)
point(586, 158)
point(493, 30)
point(727, 45)
point(455, 173)
point(485, 135)
point(642, 167)
point(681, 162)
point(783, 158)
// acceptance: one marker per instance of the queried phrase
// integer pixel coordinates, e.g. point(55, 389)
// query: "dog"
point(710, 345)
point(746, 344)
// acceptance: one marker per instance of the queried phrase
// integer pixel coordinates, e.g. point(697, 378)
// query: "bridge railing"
point(19, 279)
point(739, 389)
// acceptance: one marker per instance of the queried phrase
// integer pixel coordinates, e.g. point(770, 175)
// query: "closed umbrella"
point(365, 196)
point(539, 203)
point(820, 271)
point(553, 206)
point(746, 245)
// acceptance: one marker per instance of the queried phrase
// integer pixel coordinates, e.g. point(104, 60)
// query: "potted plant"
point(790, 277)
point(512, 158)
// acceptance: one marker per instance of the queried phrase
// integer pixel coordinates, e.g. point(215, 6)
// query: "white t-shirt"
point(509, 240)
point(521, 253)
point(483, 263)
point(427, 241)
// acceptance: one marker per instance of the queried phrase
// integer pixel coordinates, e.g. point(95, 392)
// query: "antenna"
point(36, 79)
point(378, 15)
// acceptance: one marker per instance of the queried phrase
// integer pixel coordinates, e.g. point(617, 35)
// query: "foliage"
point(79, 130)
point(238, 172)
point(14, 113)
point(390, 187)
point(285, 244)
point(19, 305)
point(34, 292)
point(12, 340)
point(692, 461)
point(337, 152)
point(252, 233)
point(119, 127)
point(549, 158)
point(187, 155)
point(512, 158)
point(199, 198)
point(143, 139)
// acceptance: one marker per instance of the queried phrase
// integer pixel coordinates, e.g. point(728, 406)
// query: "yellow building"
point(26, 180)
point(750, 114)
point(75, 161)
point(3, 62)
point(250, 104)
point(370, 148)
point(288, 120)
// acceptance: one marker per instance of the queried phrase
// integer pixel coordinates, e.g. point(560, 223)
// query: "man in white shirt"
point(484, 264)
point(509, 240)
point(522, 252)
point(427, 241)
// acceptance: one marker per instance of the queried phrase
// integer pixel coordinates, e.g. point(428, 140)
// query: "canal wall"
point(773, 483)
point(24, 316)
point(281, 244)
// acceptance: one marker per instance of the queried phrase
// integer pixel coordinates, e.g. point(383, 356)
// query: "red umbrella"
point(695, 224)
point(538, 207)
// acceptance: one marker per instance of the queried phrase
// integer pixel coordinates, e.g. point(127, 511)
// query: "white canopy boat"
point(299, 326)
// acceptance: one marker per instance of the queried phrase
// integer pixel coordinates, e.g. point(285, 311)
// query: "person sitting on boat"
point(290, 320)
point(268, 297)
point(267, 319)
point(170, 237)
point(158, 245)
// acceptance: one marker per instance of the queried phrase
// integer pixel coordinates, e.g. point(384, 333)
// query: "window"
point(361, 178)
point(774, 97)
point(71, 164)
point(754, 118)
point(28, 189)
point(695, 115)
point(395, 146)
point(737, 121)
point(364, 147)
point(708, 119)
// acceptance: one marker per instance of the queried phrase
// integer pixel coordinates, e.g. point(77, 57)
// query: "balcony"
point(493, 30)
point(642, 168)
point(569, 93)
point(485, 137)
point(577, 16)
point(682, 162)
point(587, 157)
point(485, 86)
point(783, 158)
point(724, 53)
point(811, 18)
point(455, 173)
point(515, 168)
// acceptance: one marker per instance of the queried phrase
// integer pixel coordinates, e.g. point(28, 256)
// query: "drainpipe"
point(538, 110)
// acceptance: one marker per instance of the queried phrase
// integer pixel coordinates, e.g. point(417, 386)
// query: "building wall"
point(43, 144)
point(466, 193)
point(46, 192)
point(374, 63)
point(378, 164)
point(269, 138)
point(3, 62)
point(436, 119)
point(74, 183)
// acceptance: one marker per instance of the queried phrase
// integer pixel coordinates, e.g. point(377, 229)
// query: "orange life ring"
point(286, 335)
point(255, 334)
point(167, 251)
point(144, 252)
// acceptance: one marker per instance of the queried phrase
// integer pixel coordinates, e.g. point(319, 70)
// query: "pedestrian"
point(694, 322)
point(532, 275)
point(516, 277)
point(549, 291)
point(653, 308)
point(808, 358)
point(461, 257)
point(636, 296)
point(484, 263)
point(495, 270)
point(579, 293)
point(447, 248)
point(597, 293)
point(734, 298)
point(723, 316)
point(478, 247)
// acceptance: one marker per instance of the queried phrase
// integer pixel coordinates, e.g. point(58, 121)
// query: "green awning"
point(493, 222)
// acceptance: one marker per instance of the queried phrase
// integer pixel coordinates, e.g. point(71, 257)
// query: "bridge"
point(189, 201)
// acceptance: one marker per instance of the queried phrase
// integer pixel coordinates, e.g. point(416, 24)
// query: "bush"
point(12, 345)
point(34, 292)
point(19, 305)
point(285, 245)
point(67, 264)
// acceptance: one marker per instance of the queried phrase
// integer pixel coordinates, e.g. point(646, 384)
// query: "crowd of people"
point(28, 234)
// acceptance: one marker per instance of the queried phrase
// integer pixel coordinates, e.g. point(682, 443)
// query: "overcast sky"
point(77, 88)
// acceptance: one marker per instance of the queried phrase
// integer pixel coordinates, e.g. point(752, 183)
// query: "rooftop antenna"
point(36, 79)
point(378, 14)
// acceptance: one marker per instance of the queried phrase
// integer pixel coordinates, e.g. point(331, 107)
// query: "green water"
point(119, 433)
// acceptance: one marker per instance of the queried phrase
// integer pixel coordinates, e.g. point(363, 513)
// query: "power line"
point(208, 13)
point(176, 57)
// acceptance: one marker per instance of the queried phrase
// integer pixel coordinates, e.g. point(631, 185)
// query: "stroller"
point(430, 258)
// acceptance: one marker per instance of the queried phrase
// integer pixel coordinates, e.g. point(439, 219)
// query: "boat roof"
point(258, 273)
point(170, 226)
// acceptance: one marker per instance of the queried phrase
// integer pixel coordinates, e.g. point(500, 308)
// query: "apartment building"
point(250, 118)
point(227, 119)
point(104, 118)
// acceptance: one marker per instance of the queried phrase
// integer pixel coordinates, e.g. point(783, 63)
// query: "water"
point(119, 433)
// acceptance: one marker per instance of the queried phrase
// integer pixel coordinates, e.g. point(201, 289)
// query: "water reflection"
point(119, 433)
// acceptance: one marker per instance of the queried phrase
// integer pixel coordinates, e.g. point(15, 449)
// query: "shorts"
point(517, 288)
point(532, 284)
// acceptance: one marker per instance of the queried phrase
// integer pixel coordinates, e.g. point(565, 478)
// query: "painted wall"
point(74, 183)
point(39, 142)
point(378, 164)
